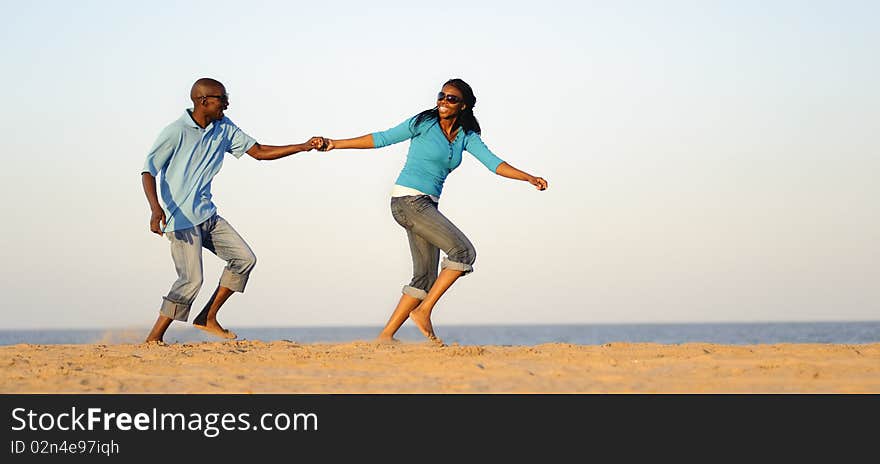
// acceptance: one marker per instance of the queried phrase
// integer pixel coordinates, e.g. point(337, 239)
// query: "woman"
point(438, 137)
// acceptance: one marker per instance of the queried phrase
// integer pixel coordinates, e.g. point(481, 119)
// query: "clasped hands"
point(320, 144)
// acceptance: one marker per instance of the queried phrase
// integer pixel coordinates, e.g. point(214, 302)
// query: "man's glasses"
point(223, 98)
point(448, 97)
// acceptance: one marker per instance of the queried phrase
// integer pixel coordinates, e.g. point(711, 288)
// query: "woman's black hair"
point(466, 118)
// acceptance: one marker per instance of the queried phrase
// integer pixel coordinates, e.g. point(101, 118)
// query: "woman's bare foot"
point(386, 340)
point(422, 320)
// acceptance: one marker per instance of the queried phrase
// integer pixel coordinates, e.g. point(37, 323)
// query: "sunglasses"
point(223, 98)
point(450, 98)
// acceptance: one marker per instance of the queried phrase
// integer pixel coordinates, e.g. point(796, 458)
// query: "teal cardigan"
point(431, 156)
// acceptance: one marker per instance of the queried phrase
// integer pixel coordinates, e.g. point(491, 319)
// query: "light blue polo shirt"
point(431, 156)
point(189, 157)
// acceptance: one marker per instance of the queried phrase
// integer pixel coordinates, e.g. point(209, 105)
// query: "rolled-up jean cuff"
point(233, 281)
point(174, 310)
point(414, 292)
point(449, 264)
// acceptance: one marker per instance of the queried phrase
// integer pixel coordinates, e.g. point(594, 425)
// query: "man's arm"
point(272, 152)
point(157, 214)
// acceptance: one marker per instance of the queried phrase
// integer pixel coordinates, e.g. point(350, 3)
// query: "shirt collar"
point(458, 135)
point(188, 121)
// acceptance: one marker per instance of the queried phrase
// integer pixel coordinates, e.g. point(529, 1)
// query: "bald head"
point(206, 86)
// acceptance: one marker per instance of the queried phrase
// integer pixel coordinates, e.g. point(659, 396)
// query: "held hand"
point(316, 143)
point(157, 218)
point(538, 182)
point(328, 145)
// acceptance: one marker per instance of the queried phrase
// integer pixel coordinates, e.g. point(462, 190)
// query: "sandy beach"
point(366, 367)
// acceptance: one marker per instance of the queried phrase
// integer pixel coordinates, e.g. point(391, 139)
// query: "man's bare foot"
point(215, 329)
point(155, 342)
point(422, 320)
point(386, 340)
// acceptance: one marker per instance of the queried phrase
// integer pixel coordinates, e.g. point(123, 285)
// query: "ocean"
point(850, 332)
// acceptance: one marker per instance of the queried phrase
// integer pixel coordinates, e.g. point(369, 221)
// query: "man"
point(188, 153)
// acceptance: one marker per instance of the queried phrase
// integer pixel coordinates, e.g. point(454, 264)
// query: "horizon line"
point(514, 324)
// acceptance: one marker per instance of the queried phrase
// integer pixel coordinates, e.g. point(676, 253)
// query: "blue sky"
point(708, 161)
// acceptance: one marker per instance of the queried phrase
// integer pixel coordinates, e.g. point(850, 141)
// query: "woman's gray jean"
point(429, 231)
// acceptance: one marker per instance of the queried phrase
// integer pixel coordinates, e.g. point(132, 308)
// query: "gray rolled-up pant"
point(218, 237)
point(429, 231)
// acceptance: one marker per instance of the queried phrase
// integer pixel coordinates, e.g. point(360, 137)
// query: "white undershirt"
point(401, 191)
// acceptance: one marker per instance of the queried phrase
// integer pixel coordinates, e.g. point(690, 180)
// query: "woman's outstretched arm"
point(399, 133)
point(364, 141)
point(511, 172)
